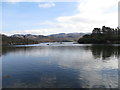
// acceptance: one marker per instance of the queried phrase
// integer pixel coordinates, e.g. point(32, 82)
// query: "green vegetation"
point(15, 40)
point(106, 35)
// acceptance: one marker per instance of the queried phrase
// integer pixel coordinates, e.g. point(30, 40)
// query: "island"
point(104, 35)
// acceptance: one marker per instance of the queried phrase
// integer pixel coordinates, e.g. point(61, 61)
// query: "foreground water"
point(60, 65)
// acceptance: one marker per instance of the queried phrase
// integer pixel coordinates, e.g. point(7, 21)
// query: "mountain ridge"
point(60, 37)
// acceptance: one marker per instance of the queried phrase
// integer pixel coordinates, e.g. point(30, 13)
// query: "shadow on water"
point(105, 51)
point(8, 49)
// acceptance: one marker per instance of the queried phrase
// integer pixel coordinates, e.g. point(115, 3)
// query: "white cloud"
point(46, 31)
point(92, 13)
point(46, 5)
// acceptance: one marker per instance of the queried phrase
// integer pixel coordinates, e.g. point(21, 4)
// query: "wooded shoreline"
point(104, 35)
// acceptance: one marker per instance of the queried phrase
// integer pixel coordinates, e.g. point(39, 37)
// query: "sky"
point(51, 17)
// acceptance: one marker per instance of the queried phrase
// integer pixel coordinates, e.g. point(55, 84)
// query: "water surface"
point(60, 65)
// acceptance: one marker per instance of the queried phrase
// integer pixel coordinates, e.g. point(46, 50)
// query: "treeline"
point(104, 35)
point(6, 40)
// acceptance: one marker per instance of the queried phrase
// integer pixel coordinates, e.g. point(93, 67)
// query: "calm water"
point(60, 65)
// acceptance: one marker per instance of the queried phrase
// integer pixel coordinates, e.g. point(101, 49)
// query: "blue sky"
point(25, 15)
point(56, 17)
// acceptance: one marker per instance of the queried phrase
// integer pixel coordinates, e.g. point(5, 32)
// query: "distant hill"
point(32, 39)
point(61, 37)
point(9, 40)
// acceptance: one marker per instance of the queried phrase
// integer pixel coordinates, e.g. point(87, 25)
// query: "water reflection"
point(49, 77)
point(6, 50)
point(98, 51)
point(105, 51)
point(60, 67)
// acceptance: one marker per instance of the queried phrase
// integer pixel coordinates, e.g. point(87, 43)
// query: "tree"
point(104, 35)
point(96, 31)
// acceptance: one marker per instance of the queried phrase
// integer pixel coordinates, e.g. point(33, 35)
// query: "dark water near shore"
point(60, 65)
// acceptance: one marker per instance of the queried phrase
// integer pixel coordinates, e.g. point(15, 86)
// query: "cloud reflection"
point(85, 66)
